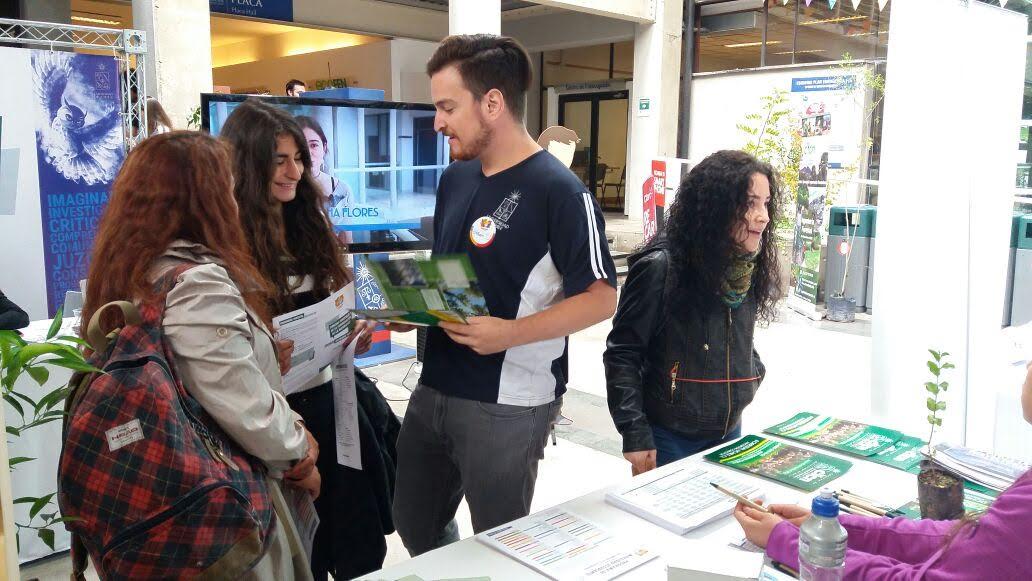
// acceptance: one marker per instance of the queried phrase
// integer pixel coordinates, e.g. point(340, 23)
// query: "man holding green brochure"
point(491, 389)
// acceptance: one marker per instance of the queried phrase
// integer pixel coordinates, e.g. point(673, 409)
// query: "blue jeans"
point(671, 446)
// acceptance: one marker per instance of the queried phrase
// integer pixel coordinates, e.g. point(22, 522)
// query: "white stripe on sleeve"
point(594, 245)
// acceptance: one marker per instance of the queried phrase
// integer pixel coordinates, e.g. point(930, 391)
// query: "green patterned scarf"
point(738, 279)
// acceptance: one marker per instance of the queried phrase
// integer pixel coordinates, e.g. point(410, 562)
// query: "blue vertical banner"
point(368, 295)
point(79, 150)
point(268, 9)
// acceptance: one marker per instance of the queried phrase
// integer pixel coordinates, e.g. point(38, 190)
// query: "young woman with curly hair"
point(680, 361)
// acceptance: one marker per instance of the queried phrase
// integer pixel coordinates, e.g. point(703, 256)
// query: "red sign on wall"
point(653, 194)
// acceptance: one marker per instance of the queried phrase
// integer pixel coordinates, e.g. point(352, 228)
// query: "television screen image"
point(378, 164)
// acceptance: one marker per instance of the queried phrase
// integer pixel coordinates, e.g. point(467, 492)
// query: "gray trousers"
point(450, 447)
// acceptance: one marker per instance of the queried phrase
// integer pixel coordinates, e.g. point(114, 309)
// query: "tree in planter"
point(18, 357)
point(940, 494)
point(773, 136)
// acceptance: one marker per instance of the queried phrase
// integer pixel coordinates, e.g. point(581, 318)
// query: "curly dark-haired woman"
point(680, 362)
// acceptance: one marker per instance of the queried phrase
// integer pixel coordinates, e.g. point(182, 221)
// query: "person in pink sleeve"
point(994, 545)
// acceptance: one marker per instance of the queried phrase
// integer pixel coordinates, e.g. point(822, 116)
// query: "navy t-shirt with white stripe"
point(534, 236)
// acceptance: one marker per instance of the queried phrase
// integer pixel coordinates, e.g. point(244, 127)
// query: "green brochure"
point(839, 435)
point(783, 463)
point(904, 455)
point(427, 292)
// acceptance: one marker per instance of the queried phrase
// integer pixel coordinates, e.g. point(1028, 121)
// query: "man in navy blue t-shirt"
point(477, 424)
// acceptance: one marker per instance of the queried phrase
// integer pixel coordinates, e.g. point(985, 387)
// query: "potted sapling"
point(939, 492)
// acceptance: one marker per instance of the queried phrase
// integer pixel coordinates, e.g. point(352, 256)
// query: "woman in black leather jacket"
point(680, 362)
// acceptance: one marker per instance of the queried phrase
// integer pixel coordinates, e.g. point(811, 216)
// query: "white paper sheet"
point(345, 408)
point(563, 545)
point(318, 332)
point(302, 509)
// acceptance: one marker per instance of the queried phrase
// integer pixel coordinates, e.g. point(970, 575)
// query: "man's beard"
point(477, 146)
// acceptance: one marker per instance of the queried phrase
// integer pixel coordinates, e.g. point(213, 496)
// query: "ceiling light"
point(811, 51)
point(96, 20)
point(832, 20)
point(868, 33)
point(745, 44)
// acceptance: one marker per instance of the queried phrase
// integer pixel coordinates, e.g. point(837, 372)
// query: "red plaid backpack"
point(158, 489)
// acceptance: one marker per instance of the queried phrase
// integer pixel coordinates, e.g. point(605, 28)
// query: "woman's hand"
point(364, 332)
point(399, 327)
point(311, 484)
point(284, 353)
point(793, 513)
point(641, 461)
point(756, 524)
point(306, 465)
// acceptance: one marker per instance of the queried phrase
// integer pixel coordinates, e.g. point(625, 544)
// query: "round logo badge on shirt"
point(482, 232)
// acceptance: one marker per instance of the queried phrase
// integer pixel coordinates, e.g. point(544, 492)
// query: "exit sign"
point(644, 107)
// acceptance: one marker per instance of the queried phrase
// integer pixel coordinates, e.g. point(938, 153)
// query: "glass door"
point(600, 159)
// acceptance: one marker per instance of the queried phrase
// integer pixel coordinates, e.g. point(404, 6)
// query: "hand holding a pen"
point(758, 525)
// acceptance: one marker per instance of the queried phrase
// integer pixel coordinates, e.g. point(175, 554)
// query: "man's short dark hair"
point(486, 62)
point(293, 83)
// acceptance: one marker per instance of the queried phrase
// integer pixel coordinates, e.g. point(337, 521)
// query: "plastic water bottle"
point(822, 541)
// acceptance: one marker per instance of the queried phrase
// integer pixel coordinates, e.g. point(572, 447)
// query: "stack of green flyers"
point(880, 445)
point(796, 467)
point(427, 292)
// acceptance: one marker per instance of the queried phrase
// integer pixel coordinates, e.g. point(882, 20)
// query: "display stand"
point(128, 46)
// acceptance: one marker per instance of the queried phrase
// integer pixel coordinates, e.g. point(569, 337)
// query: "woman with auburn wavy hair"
point(172, 205)
point(291, 237)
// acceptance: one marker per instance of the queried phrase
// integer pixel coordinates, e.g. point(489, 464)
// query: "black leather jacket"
point(692, 374)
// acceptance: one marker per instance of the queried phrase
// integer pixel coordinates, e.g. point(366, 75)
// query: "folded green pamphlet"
point(839, 435)
point(904, 455)
point(796, 467)
point(427, 292)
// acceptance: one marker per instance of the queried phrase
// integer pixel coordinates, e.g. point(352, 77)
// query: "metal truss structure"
point(129, 47)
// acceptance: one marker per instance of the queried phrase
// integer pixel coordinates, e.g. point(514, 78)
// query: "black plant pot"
point(940, 494)
point(841, 309)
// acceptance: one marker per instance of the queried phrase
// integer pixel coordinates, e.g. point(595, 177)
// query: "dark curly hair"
point(713, 197)
point(298, 240)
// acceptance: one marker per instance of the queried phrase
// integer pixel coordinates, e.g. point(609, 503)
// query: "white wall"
point(947, 178)
point(367, 65)
point(22, 276)
point(567, 30)
point(409, 82)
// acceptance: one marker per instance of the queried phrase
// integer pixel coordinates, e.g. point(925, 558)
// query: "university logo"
point(506, 209)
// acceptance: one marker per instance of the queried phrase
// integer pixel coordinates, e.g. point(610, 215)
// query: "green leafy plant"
point(772, 135)
point(17, 358)
point(937, 389)
point(194, 120)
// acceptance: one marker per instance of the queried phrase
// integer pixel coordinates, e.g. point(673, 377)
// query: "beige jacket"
point(226, 359)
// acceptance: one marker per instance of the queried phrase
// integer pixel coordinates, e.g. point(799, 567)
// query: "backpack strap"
point(79, 559)
point(97, 338)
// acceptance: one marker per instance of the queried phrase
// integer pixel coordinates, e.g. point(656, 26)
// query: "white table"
point(39, 477)
point(471, 558)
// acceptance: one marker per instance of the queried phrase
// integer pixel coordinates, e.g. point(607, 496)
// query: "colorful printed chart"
point(563, 545)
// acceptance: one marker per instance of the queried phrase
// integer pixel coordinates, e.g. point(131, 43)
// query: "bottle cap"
point(825, 504)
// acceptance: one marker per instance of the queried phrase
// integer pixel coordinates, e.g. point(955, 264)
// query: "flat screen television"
point(382, 162)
